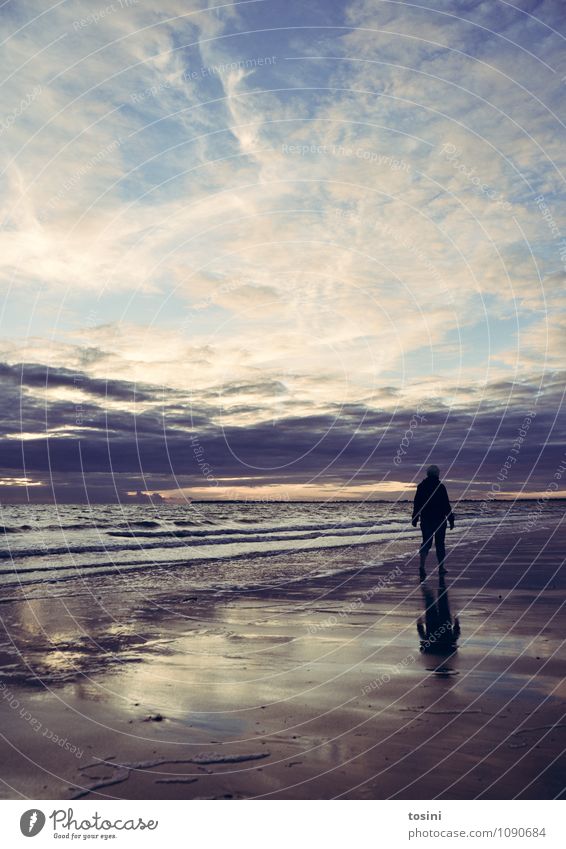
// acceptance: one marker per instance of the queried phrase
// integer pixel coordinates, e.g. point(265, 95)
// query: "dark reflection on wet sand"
point(438, 631)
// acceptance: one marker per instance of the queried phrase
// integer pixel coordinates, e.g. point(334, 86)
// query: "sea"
point(225, 546)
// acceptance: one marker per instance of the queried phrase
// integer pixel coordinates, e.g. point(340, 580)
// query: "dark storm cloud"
point(118, 451)
point(32, 375)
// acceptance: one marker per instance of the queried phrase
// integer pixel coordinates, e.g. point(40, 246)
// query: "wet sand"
point(140, 688)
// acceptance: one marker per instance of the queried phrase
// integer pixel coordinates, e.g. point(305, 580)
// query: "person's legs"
point(439, 537)
point(428, 535)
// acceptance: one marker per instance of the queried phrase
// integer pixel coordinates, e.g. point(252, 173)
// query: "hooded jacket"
point(432, 503)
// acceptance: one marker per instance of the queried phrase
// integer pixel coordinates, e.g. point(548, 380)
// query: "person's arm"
point(448, 508)
point(417, 507)
point(456, 629)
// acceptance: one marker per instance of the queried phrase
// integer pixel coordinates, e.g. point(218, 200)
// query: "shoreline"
point(265, 694)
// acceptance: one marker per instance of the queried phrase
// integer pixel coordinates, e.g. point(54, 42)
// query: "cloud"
point(171, 444)
point(289, 239)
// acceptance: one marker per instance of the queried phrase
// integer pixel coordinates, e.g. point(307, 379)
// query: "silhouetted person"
point(438, 634)
point(432, 507)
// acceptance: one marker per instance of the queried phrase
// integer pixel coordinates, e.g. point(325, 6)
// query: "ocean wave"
point(75, 526)
point(74, 570)
point(52, 544)
point(229, 539)
point(90, 523)
point(311, 526)
point(146, 523)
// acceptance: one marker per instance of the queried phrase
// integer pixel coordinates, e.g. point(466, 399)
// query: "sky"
point(277, 250)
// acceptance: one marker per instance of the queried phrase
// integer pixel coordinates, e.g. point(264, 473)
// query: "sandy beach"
point(319, 690)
